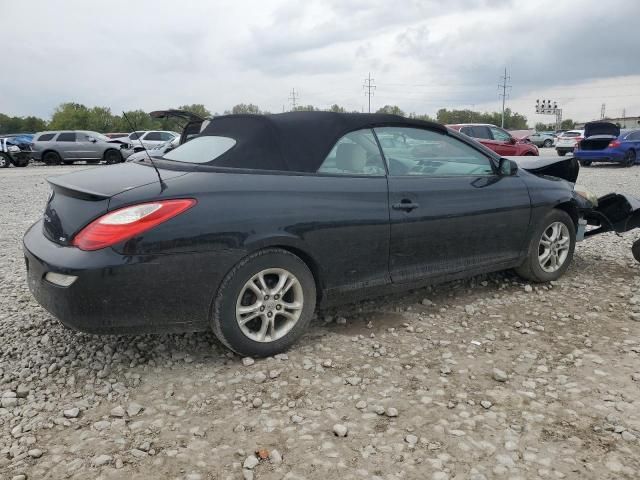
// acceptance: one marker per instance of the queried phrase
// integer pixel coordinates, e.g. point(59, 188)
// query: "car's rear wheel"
point(264, 303)
point(5, 161)
point(112, 156)
point(550, 249)
point(547, 143)
point(562, 153)
point(629, 158)
point(51, 158)
point(585, 163)
point(22, 163)
point(68, 162)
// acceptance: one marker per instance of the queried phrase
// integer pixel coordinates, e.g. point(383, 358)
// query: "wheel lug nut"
point(266, 297)
point(262, 309)
point(278, 307)
point(276, 297)
point(269, 314)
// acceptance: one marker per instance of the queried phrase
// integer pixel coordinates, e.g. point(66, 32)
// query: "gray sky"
point(423, 54)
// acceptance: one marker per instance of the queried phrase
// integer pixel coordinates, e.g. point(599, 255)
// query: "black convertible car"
point(248, 226)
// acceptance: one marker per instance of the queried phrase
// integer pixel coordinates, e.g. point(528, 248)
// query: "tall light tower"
point(369, 88)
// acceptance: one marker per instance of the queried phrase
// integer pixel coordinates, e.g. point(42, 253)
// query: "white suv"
point(567, 141)
point(150, 139)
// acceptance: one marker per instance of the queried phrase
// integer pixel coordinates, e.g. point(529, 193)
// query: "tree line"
point(76, 116)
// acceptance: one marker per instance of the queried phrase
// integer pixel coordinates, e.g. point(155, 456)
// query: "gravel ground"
point(478, 379)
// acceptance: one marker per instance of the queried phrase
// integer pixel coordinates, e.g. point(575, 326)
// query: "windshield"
point(97, 136)
point(571, 134)
point(201, 149)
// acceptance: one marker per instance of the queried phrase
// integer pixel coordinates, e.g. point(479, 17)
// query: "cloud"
point(423, 54)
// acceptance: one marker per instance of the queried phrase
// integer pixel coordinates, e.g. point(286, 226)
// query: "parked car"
point(193, 123)
point(496, 138)
point(604, 142)
point(248, 226)
point(69, 146)
point(542, 139)
point(141, 139)
point(15, 150)
point(158, 151)
point(566, 141)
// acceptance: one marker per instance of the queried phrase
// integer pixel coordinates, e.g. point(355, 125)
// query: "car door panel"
point(444, 221)
point(460, 223)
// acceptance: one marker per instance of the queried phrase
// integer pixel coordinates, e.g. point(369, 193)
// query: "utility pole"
point(504, 85)
point(293, 97)
point(369, 88)
point(603, 110)
point(624, 118)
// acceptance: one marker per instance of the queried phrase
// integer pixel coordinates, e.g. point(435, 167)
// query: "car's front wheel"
point(5, 161)
point(585, 163)
point(112, 156)
point(547, 143)
point(264, 303)
point(550, 249)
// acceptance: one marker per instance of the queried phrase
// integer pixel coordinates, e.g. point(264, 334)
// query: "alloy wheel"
point(553, 248)
point(269, 305)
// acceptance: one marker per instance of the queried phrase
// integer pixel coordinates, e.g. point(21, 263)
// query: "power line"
point(369, 88)
point(293, 97)
point(504, 85)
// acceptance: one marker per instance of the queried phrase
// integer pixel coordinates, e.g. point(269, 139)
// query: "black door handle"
point(406, 205)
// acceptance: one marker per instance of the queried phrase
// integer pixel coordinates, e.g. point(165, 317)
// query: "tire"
point(529, 154)
point(547, 143)
point(562, 153)
point(68, 162)
point(5, 160)
point(112, 156)
point(51, 158)
point(234, 293)
point(585, 163)
point(629, 159)
point(22, 163)
point(532, 268)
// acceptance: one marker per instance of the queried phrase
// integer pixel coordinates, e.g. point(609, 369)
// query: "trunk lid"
point(601, 128)
point(80, 197)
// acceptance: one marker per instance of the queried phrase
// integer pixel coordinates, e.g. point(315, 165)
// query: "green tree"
point(197, 108)
point(337, 108)
point(305, 108)
point(70, 116)
point(391, 109)
point(424, 117)
point(567, 124)
point(244, 108)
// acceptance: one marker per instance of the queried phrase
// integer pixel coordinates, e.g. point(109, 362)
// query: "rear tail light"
point(614, 144)
point(127, 222)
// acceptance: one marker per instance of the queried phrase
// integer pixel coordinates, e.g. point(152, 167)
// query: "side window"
point(153, 136)
point(165, 136)
point(135, 135)
point(45, 137)
point(467, 131)
point(500, 135)
point(66, 137)
point(482, 132)
point(429, 153)
point(634, 136)
point(356, 153)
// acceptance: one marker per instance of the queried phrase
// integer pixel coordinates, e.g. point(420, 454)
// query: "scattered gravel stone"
point(35, 453)
point(275, 457)
point(101, 460)
point(361, 405)
point(499, 375)
point(259, 377)
point(392, 412)
point(411, 439)
point(117, 412)
point(134, 409)
point(251, 462)
point(340, 430)
point(72, 412)
point(248, 361)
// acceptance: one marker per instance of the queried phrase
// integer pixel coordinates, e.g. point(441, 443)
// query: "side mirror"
point(512, 141)
point(507, 168)
point(93, 140)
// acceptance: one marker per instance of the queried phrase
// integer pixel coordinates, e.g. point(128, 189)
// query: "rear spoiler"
point(74, 191)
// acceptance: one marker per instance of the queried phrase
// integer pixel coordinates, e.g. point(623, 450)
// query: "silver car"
point(542, 139)
point(158, 151)
point(71, 146)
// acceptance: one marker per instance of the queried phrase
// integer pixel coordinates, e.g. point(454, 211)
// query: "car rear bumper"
point(599, 155)
point(116, 293)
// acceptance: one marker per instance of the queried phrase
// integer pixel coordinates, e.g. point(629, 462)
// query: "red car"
point(497, 139)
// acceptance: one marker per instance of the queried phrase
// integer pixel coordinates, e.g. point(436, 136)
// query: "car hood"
point(601, 128)
point(565, 168)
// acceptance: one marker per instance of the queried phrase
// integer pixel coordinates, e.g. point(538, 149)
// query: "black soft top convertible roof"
point(294, 141)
